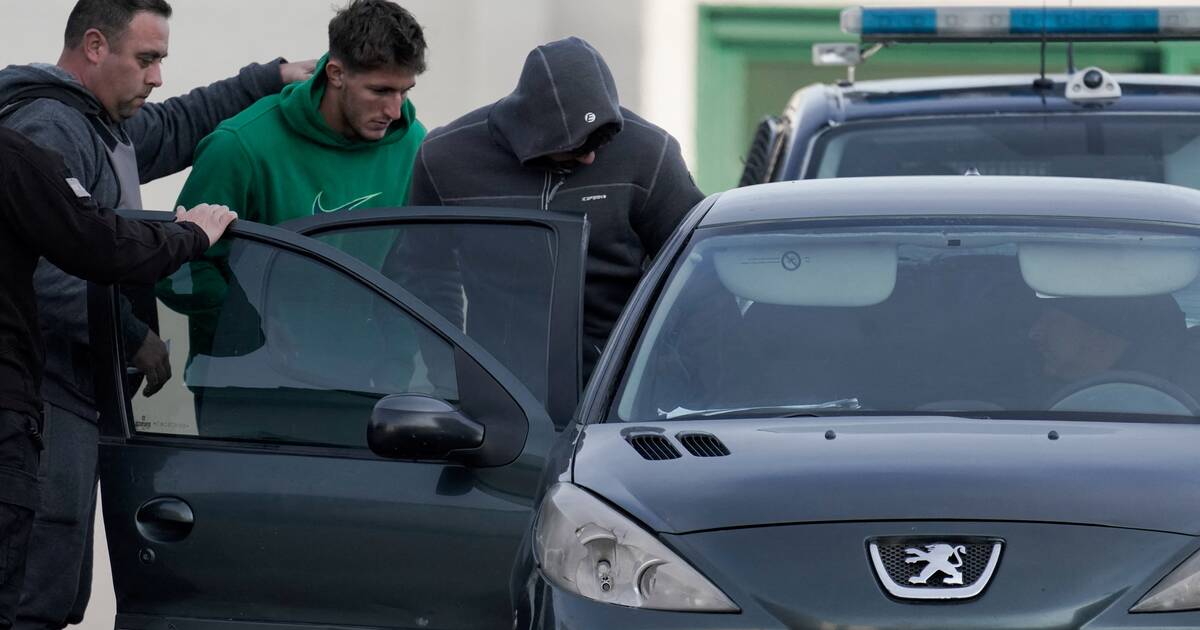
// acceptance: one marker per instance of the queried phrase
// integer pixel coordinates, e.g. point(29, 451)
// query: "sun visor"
point(808, 274)
point(1106, 270)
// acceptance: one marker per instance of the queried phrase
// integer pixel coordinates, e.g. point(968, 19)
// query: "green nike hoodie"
point(279, 160)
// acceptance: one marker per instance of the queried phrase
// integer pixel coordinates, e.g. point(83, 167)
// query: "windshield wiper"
point(813, 410)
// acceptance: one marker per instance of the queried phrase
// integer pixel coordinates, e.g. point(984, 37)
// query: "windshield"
point(1154, 148)
point(982, 320)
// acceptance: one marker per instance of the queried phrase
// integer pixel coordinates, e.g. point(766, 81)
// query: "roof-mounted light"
point(836, 54)
point(845, 54)
point(1021, 24)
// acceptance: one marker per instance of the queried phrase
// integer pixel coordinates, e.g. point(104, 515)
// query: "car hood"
point(806, 470)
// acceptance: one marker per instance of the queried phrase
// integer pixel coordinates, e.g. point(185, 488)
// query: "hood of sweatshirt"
point(300, 104)
point(19, 83)
point(566, 93)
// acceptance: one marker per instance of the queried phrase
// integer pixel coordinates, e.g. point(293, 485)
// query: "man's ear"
point(95, 45)
point(335, 73)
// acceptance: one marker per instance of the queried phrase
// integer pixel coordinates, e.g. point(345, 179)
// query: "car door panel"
point(233, 505)
point(324, 555)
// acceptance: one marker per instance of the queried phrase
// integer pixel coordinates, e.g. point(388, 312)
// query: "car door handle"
point(165, 519)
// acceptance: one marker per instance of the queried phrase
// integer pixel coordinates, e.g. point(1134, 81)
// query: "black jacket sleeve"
point(672, 193)
point(423, 191)
point(42, 209)
point(62, 299)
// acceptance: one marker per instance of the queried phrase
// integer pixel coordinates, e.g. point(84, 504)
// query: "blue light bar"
point(1022, 24)
point(1089, 21)
point(914, 21)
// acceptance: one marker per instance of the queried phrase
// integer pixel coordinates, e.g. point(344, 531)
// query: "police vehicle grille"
point(653, 447)
point(973, 564)
point(703, 444)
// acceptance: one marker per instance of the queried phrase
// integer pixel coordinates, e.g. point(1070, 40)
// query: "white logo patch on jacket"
point(78, 188)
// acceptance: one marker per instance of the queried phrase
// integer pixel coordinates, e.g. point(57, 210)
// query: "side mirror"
point(417, 427)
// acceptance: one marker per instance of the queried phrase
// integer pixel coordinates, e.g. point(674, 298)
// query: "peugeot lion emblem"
point(937, 558)
point(925, 568)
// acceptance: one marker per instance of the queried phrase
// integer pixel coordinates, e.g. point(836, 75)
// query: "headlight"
point(590, 549)
point(1180, 590)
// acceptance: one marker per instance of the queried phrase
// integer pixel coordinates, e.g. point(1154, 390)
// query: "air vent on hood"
point(653, 446)
point(703, 444)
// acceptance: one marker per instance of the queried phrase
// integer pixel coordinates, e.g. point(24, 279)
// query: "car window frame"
point(117, 415)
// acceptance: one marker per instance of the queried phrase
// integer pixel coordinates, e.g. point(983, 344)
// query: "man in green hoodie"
point(343, 140)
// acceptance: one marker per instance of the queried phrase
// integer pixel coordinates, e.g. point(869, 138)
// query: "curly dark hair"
point(111, 17)
point(370, 34)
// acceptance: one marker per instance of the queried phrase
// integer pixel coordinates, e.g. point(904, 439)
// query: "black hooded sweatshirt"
point(46, 212)
point(634, 194)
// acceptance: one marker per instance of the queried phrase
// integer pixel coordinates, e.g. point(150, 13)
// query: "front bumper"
point(818, 577)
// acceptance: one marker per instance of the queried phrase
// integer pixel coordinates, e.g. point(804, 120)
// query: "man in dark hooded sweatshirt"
point(91, 109)
point(561, 141)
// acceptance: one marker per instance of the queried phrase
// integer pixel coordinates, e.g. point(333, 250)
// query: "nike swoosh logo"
point(317, 208)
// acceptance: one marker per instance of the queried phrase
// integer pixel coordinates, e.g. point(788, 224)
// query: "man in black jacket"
point(561, 141)
point(46, 212)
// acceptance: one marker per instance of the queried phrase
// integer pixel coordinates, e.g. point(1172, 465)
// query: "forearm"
point(83, 240)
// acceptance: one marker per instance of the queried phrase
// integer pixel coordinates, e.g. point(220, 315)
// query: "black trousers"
point(20, 444)
point(58, 565)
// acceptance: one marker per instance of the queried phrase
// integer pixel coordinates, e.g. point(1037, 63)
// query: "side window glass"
point(267, 345)
point(494, 282)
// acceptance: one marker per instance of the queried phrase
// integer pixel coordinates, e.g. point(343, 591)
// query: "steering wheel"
point(1125, 392)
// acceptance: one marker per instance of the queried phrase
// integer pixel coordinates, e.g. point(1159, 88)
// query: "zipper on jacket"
point(550, 187)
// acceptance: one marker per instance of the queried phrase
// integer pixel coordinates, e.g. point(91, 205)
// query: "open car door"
point(333, 448)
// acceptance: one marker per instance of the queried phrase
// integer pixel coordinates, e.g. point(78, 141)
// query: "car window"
point(1155, 148)
point(493, 281)
point(268, 345)
point(971, 318)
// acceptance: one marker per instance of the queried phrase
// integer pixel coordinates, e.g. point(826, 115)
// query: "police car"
point(1086, 122)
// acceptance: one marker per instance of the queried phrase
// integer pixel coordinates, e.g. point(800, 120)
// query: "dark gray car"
point(961, 402)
